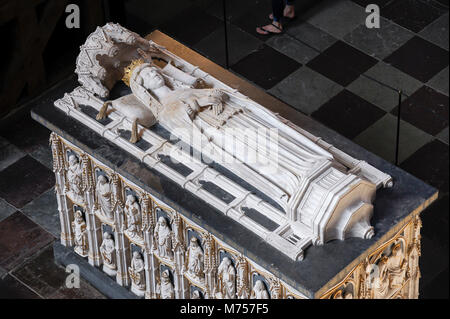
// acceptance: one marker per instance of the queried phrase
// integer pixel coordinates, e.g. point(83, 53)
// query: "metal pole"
point(397, 146)
point(226, 32)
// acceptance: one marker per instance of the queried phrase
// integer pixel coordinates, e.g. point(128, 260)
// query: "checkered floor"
point(326, 64)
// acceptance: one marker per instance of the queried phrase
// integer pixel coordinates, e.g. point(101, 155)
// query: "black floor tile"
point(444, 3)
point(11, 288)
point(342, 63)
point(430, 164)
point(41, 273)
point(437, 288)
point(266, 67)
point(191, 25)
point(26, 134)
point(44, 212)
point(257, 15)
point(419, 58)
point(435, 222)
point(348, 114)
point(412, 14)
point(20, 238)
point(24, 181)
point(240, 44)
point(426, 109)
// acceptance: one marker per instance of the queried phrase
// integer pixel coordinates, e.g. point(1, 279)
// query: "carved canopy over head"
point(105, 53)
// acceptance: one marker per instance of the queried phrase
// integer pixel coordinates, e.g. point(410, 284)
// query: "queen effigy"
point(279, 182)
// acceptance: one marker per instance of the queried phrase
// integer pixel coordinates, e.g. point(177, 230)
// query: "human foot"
point(274, 28)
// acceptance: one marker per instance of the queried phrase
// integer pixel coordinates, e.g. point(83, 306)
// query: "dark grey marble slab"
point(322, 265)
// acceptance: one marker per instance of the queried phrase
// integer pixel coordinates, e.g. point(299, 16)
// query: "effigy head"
point(152, 78)
point(162, 221)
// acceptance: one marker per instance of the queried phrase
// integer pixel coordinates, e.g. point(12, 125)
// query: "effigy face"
point(287, 186)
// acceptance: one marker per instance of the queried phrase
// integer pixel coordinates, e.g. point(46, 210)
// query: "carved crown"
point(128, 71)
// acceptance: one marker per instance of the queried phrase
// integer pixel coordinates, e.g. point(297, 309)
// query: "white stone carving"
point(133, 215)
point(259, 291)
point(75, 179)
point(195, 260)
point(320, 193)
point(108, 253)
point(80, 234)
point(104, 197)
point(226, 284)
point(137, 274)
point(196, 295)
point(166, 289)
point(163, 236)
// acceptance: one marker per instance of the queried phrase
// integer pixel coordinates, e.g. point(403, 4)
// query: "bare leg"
point(289, 12)
point(134, 132)
point(102, 113)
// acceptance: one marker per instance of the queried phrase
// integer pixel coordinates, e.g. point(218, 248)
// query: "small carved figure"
point(380, 284)
point(79, 230)
point(75, 179)
point(133, 213)
point(107, 250)
point(166, 288)
point(137, 274)
point(259, 291)
point(163, 236)
point(396, 267)
point(104, 197)
point(196, 295)
point(226, 288)
point(194, 257)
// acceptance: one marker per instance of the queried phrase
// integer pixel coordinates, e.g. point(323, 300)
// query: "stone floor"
point(326, 64)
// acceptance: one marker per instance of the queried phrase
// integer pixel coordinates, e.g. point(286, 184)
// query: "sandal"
point(268, 32)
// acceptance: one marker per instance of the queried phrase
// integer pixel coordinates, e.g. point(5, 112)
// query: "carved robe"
point(104, 197)
point(133, 213)
point(167, 290)
point(381, 283)
point(195, 260)
point(80, 236)
point(107, 249)
point(259, 291)
point(396, 267)
point(137, 272)
point(75, 179)
point(164, 239)
point(227, 280)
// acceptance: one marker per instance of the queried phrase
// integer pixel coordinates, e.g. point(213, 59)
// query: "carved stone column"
point(122, 248)
point(180, 283)
point(63, 207)
point(210, 264)
point(93, 228)
point(147, 230)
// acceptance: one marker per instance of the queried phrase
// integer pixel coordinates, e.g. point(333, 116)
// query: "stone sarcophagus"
point(177, 185)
